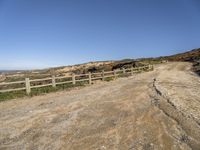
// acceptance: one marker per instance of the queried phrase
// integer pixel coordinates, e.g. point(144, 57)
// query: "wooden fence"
point(53, 81)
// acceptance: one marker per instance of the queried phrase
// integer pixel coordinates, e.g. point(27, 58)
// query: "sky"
point(47, 33)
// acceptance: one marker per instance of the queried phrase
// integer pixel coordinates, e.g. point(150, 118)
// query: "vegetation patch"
point(39, 91)
point(109, 79)
point(12, 95)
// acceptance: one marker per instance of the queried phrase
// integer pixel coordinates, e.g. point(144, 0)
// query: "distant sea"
point(7, 71)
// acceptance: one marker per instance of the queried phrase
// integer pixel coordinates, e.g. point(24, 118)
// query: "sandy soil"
point(155, 110)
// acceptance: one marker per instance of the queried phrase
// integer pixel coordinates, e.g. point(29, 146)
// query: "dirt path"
point(155, 110)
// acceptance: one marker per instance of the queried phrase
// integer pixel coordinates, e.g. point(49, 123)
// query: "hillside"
point(192, 56)
point(156, 110)
point(68, 70)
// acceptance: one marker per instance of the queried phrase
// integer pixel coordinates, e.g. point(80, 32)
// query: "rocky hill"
point(95, 67)
point(189, 56)
point(77, 69)
point(158, 110)
point(192, 56)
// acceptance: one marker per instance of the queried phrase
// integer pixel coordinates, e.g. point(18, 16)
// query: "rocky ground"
point(155, 110)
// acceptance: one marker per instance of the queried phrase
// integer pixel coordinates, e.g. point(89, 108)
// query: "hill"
point(191, 56)
point(155, 110)
point(77, 69)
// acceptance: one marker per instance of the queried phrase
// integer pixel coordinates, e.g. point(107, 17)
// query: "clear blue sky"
point(46, 33)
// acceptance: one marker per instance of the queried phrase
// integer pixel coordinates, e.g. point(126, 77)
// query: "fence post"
point(152, 68)
point(131, 70)
point(28, 86)
point(149, 67)
point(103, 75)
point(54, 81)
point(124, 71)
point(90, 78)
point(73, 78)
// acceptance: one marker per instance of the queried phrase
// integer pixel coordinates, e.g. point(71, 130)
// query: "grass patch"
point(109, 79)
point(12, 95)
point(42, 90)
point(123, 75)
point(49, 89)
point(39, 91)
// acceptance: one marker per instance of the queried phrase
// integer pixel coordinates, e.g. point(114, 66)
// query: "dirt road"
point(155, 110)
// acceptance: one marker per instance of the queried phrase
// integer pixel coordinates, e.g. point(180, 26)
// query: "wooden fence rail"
point(73, 79)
